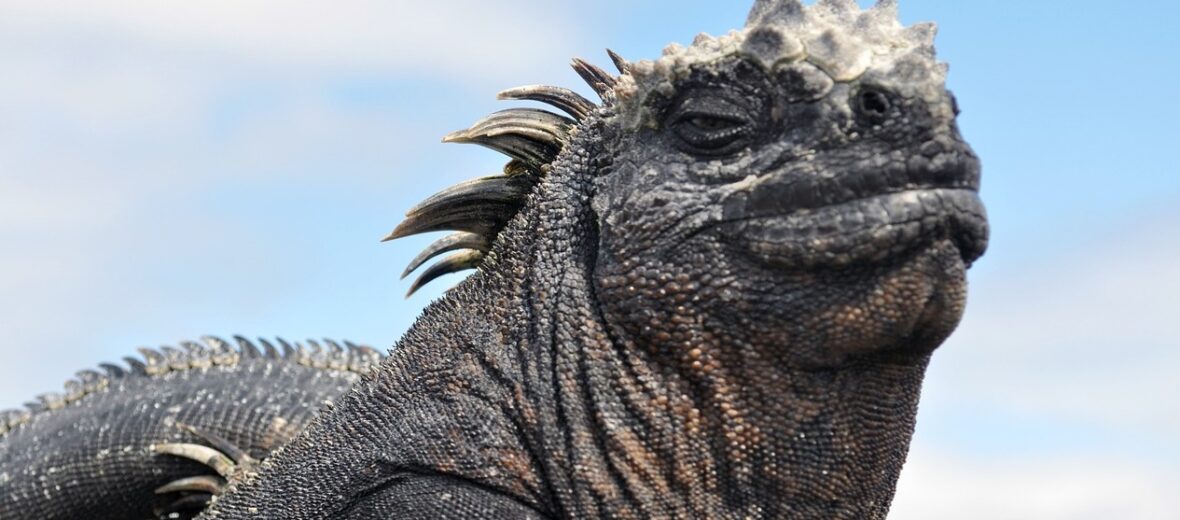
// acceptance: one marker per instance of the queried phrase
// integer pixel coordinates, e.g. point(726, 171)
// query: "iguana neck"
point(750, 440)
point(635, 427)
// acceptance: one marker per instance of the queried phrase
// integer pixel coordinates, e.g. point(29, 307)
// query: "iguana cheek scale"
point(713, 295)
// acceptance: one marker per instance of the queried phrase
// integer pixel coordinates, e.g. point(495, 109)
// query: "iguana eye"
point(710, 134)
point(711, 126)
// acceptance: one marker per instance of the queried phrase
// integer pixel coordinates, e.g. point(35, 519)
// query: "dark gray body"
point(92, 457)
point(713, 296)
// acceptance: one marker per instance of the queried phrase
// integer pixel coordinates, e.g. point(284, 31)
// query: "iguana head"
point(799, 184)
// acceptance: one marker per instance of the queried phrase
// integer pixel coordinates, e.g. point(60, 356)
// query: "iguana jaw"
point(864, 230)
point(803, 216)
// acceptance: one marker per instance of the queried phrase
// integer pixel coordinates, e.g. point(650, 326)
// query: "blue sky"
point(173, 170)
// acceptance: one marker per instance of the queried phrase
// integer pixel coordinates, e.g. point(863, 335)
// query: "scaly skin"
point(89, 453)
point(718, 302)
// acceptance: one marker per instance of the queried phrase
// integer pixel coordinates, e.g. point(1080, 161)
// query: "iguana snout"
point(840, 208)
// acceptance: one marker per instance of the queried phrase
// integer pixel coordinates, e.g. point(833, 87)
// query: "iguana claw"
point(196, 492)
point(200, 484)
point(223, 465)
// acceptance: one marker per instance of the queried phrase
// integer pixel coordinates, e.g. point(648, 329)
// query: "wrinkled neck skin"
point(583, 381)
point(716, 393)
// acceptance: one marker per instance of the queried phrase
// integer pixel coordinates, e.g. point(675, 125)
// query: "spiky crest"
point(211, 351)
point(480, 208)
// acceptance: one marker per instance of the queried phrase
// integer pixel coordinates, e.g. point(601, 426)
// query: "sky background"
point(169, 170)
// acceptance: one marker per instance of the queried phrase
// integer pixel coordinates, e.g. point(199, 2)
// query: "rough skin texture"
point(713, 296)
point(89, 453)
point(718, 301)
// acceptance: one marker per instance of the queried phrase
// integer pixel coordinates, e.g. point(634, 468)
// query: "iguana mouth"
point(868, 215)
point(866, 230)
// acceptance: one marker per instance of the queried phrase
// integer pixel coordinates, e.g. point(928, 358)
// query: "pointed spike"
point(452, 264)
point(766, 12)
point(317, 355)
point(497, 189)
point(14, 418)
point(176, 359)
point(113, 371)
point(268, 349)
point(202, 454)
point(224, 354)
point(358, 357)
point(599, 80)
point(481, 206)
point(92, 381)
point(74, 390)
point(154, 362)
point(530, 135)
point(619, 61)
point(203, 483)
point(564, 99)
point(533, 153)
point(10, 419)
point(137, 367)
point(301, 354)
point(541, 125)
point(248, 350)
point(333, 347)
point(51, 400)
point(198, 355)
point(337, 359)
point(363, 357)
point(289, 352)
point(452, 242)
point(483, 219)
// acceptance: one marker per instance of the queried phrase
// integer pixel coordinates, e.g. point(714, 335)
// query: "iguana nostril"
point(873, 104)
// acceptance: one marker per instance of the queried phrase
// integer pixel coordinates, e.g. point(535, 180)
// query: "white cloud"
point(1090, 335)
point(1064, 371)
point(949, 485)
point(111, 157)
point(463, 38)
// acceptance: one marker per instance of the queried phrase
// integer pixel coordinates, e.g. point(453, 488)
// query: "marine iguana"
point(712, 296)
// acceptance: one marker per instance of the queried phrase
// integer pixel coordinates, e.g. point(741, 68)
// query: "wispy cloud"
point(942, 485)
point(1089, 334)
point(1056, 397)
point(463, 38)
point(145, 149)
